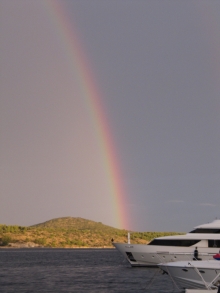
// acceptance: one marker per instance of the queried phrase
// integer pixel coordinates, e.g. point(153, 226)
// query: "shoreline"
point(31, 245)
point(38, 247)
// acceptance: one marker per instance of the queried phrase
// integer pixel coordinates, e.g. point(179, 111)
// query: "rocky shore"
point(34, 245)
point(21, 245)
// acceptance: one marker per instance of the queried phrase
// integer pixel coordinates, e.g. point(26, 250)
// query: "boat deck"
point(200, 291)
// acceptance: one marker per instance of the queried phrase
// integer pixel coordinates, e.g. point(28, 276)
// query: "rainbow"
point(93, 102)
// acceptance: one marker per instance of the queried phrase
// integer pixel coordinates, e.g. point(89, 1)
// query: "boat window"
point(185, 270)
point(203, 272)
point(130, 256)
point(214, 243)
point(206, 231)
point(174, 242)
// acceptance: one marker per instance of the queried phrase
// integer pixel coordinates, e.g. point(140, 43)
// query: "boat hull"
point(140, 255)
point(193, 275)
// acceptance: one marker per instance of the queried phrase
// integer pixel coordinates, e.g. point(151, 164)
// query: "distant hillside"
point(71, 232)
point(71, 223)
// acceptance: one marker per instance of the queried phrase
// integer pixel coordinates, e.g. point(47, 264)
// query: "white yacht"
point(174, 248)
point(194, 274)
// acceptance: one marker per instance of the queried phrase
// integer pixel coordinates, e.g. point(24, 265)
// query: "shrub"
point(5, 240)
point(40, 241)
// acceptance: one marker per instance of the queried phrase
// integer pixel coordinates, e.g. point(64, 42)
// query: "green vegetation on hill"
point(75, 223)
point(72, 232)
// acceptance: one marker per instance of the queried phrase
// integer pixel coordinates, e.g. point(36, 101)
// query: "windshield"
point(206, 231)
point(174, 242)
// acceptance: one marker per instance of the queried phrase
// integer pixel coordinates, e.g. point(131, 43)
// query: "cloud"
point(176, 201)
point(208, 204)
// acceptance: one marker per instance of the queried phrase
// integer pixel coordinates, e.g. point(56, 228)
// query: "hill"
point(71, 232)
point(75, 223)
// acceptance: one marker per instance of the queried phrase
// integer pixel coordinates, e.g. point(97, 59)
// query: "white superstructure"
point(174, 248)
point(194, 274)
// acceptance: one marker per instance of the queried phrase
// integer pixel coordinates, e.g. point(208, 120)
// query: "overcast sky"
point(157, 66)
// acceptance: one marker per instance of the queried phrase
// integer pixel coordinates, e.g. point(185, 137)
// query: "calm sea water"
point(76, 270)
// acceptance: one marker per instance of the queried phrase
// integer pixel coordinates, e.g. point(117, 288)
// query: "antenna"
point(129, 238)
